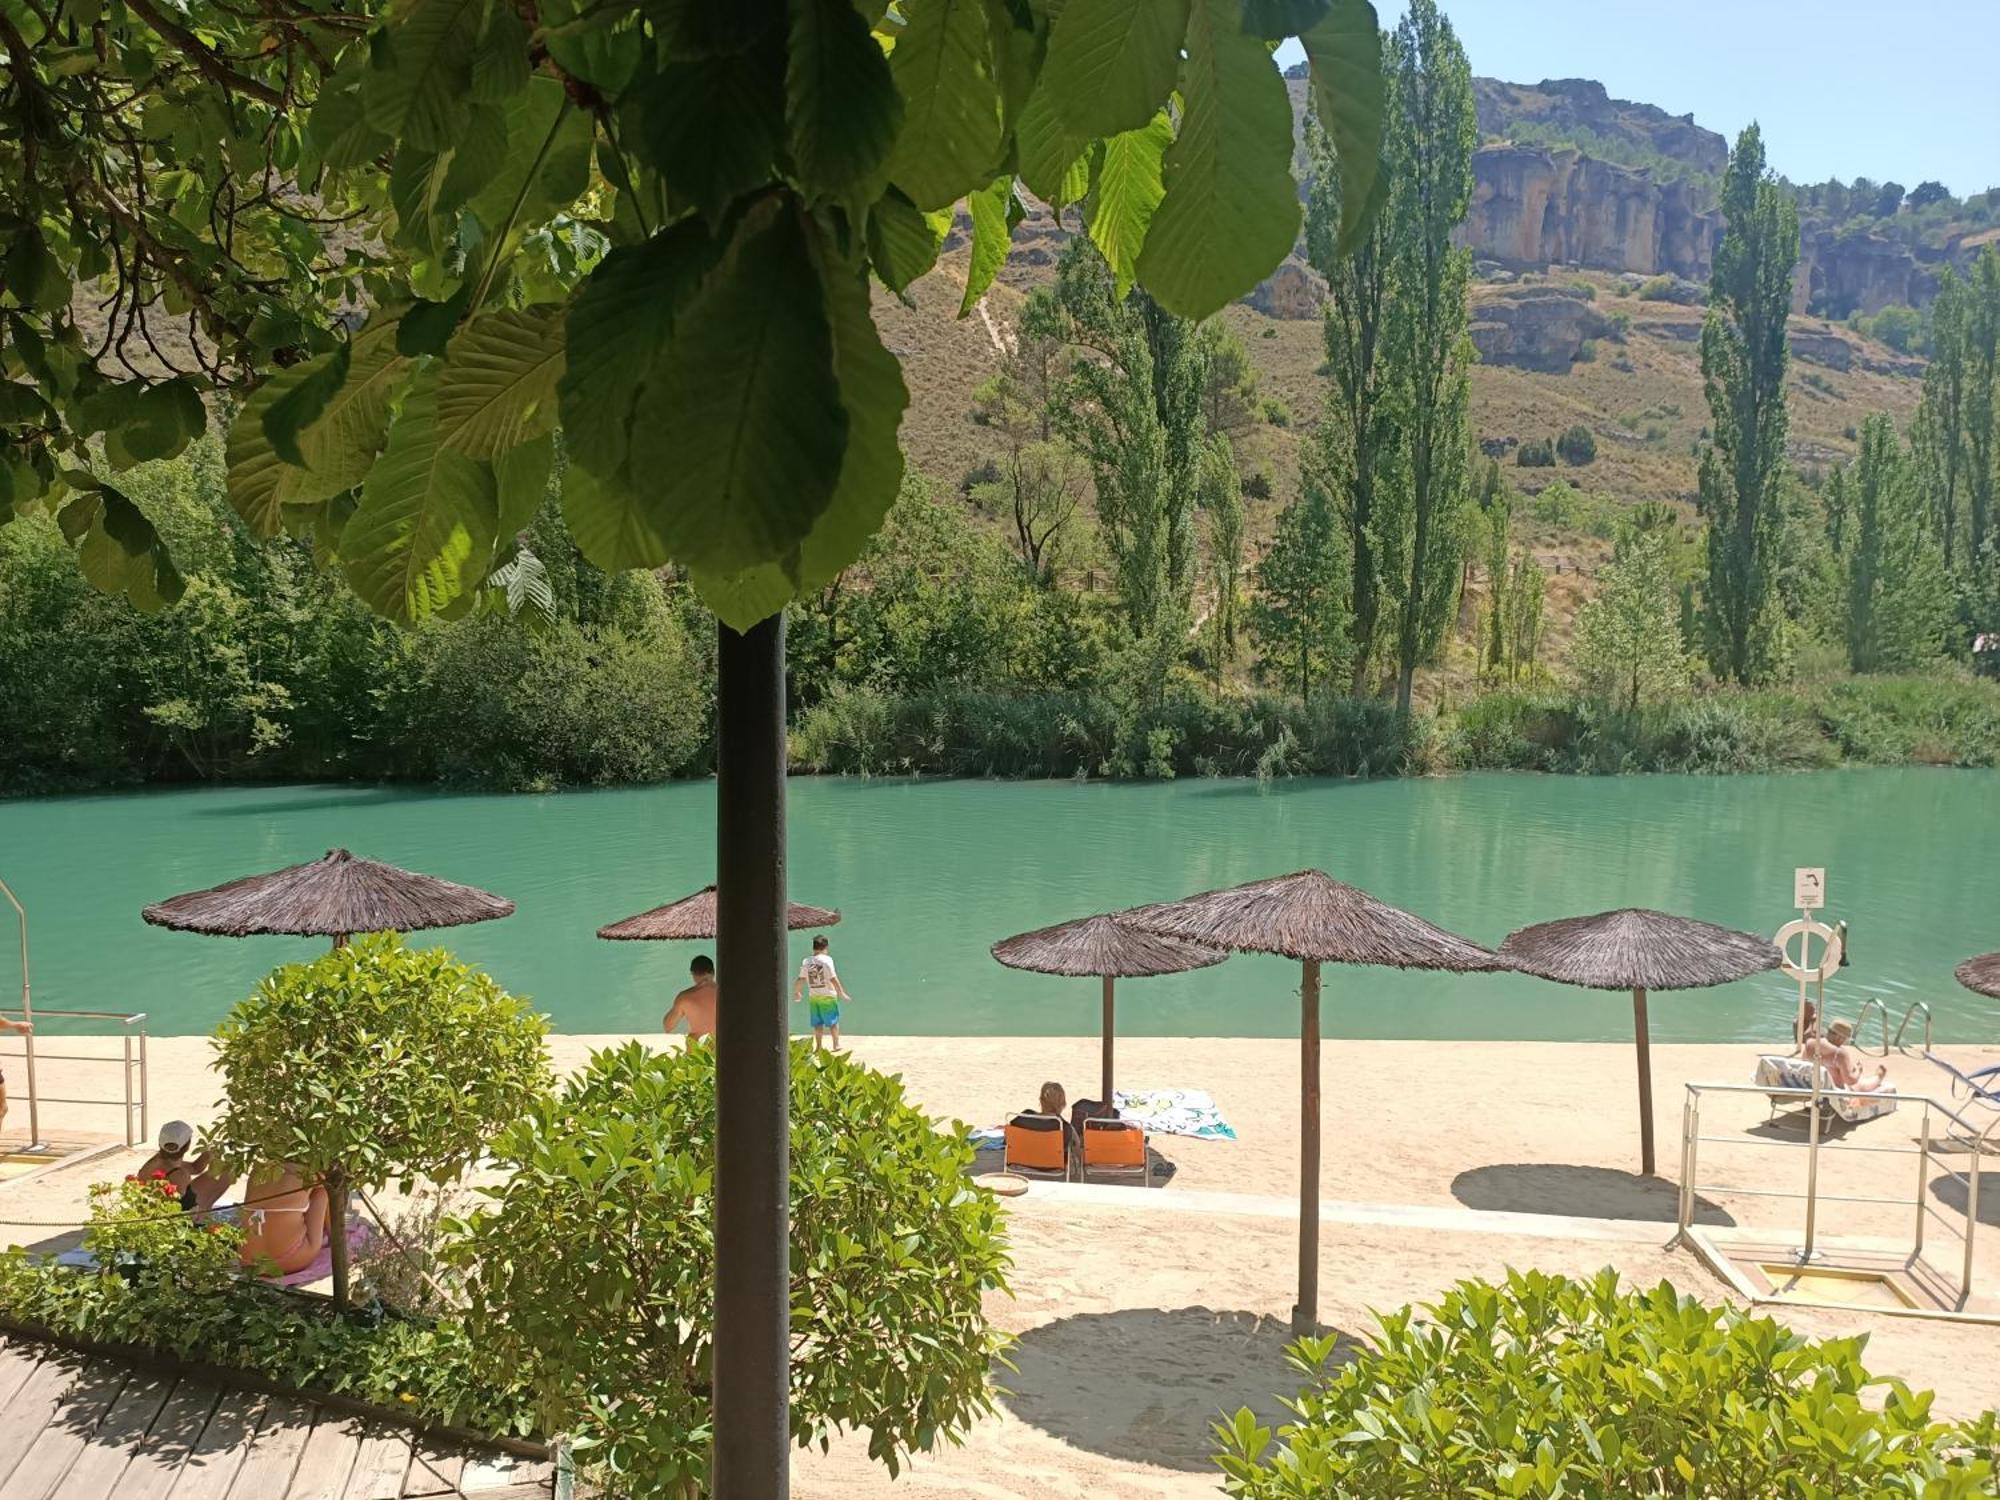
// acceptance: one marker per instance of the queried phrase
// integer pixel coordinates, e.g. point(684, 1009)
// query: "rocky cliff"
point(1581, 108)
point(1535, 207)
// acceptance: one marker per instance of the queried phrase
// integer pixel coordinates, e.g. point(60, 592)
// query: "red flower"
point(158, 1174)
point(131, 1176)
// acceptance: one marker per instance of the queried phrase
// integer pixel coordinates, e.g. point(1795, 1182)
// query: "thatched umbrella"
point(692, 919)
point(1105, 948)
point(335, 897)
point(1981, 975)
point(1639, 950)
point(1315, 919)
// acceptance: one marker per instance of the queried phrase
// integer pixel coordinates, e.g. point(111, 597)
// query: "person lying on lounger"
point(1842, 1063)
point(284, 1221)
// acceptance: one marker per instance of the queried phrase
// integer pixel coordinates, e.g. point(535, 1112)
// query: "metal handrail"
point(132, 1055)
point(1861, 1020)
point(1914, 1007)
point(1979, 1138)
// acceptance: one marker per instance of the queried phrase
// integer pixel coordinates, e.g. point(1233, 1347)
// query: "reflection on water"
point(930, 874)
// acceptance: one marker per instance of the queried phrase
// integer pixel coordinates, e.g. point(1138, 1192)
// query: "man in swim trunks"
point(1842, 1063)
point(19, 1028)
point(695, 1004)
point(824, 992)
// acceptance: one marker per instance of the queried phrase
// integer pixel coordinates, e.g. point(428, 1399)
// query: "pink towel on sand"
point(360, 1236)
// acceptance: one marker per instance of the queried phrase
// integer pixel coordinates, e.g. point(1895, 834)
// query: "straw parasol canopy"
point(692, 918)
point(1639, 950)
point(334, 897)
point(1107, 948)
point(1313, 918)
point(1981, 975)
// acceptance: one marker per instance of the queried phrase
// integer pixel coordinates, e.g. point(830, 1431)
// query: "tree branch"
point(211, 65)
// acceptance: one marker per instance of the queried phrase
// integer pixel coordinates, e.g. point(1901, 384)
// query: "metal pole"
point(128, 1085)
point(1685, 1198)
point(27, 1016)
point(1812, 1164)
point(145, 1087)
point(1923, 1178)
point(1109, 1030)
point(753, 1072)
point(1971, 1218)
point(1305, 1313)
point(1640, 1035)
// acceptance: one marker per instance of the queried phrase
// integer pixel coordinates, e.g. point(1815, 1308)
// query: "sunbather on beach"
point(199, 1181)
point(284, 1221)
point(1842, 1063)
point(695, 1004)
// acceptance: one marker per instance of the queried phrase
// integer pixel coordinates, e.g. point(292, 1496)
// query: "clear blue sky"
point(1903, 90)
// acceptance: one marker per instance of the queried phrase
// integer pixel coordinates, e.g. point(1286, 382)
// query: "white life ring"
point(1805, 929)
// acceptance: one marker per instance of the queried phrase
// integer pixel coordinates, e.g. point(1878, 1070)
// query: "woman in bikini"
point(284, 1221)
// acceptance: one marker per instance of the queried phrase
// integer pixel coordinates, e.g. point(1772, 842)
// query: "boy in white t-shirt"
point(824, 992)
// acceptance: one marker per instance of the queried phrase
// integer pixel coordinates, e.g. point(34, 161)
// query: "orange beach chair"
point(1116, 1149)
point(1038, 1146)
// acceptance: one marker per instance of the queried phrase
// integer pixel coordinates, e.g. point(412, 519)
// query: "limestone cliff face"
point(1532, 207)
point(1582, 104)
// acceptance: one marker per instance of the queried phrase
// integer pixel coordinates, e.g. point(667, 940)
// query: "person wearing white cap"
point(197, 1182)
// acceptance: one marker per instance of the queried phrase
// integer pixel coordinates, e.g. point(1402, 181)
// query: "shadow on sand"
point(1951, 1192)
point(1585, 1192)
point(1143, 1385)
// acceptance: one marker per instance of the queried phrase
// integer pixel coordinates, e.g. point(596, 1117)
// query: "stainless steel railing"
point(129, 1095)
point(1976, 1137)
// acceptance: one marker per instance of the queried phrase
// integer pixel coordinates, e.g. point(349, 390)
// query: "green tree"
point(370, 1063)
point(1432, 131)
point(1222, 503)
point(1941, 411)
point(1628, 646)
point(1043, 481)
point(1229, 381)
point(1358, 411)
point(1892, 583)
point(657, 229)
point(591, 1269)
point(1526, 591)
point(1743, 361)
point(1132, 404)
point(1981, 416)
point(1494, 636)
point(1299, 616)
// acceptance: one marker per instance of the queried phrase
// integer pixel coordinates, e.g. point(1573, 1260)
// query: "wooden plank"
point(266, 1472)
point(99, 1470)
point(156, 1462)
point(328, 1459)
point(495, 1474)
point(382, 1464)
point(434, 1470)
point(70, 1427)
point(33, 1405)
point(17, 1363)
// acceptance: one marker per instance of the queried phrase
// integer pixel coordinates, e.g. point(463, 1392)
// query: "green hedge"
point(1546, 1386)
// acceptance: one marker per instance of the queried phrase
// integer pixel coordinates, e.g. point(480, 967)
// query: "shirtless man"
point(1842, 1063)
point(695, 1004)
point(20, 1028)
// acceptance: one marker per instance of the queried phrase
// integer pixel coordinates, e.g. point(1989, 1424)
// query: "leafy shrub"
point(168, 1283)
point(372, 1062)
point(1656, 289)
point(1586, 352)
point(1257, 484)
point(1621, 325)
point(1588, 289)
point(1548, 1386)
point(1275, 411)
point(1577, 445)
point(596, 1260)
point(1535, 454)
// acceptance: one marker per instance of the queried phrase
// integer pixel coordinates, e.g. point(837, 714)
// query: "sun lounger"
point(1982, 1085)
point(1791, 1073)
point(1038, 1146)
point(1116, 1150)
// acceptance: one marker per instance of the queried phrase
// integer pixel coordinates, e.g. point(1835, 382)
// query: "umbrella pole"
point(752, 1352)
point(1644, 1041)
point(1305, 1314)
point(1109, 1024)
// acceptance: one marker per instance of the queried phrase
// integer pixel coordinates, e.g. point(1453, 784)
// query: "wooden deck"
point(73, 1428)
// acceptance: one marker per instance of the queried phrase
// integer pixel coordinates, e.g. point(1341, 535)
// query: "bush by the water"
point(167, 1283)
point(594, 1265)
point(1548, 1386)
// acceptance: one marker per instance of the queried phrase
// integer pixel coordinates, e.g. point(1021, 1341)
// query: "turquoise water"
point(931, 873)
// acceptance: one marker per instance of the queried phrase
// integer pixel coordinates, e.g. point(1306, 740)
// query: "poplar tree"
point(1980, 420)
point(1222, 503)
point(1432, 129)
point(1357, 412)
point(1743, 362)
point(1892, 584)
point(1628, 638)
point(1941, 411)
point(1299, 616)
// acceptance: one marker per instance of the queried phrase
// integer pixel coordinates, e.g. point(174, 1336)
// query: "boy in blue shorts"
point(824, 992)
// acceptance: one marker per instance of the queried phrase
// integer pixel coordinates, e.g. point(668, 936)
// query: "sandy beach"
point(1138, 1322)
